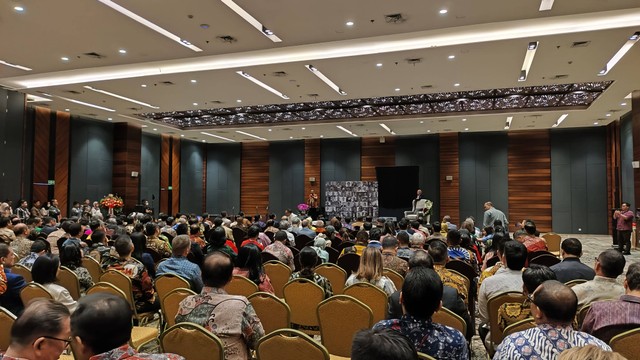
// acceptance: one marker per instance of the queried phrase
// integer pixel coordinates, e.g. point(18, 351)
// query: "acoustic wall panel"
point(223, 178)
point(286, 177)
point(150, 170)
point(340, 161)
point(191, 172)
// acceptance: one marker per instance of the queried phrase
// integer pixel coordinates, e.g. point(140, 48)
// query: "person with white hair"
point(319, 245)
point(417, 240)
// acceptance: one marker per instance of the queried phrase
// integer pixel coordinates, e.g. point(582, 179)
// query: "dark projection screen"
point(397, 186)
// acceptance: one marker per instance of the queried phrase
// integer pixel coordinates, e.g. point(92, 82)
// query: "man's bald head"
point(217, 270)
point(21, 229)
point(557, 301)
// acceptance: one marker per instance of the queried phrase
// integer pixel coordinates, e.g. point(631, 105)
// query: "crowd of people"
point(203, 251)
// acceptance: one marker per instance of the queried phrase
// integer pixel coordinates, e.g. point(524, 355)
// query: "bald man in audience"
point(553, 306)
point(608, 266)
point(571, 268)
point(21, 245)
point(42, 332)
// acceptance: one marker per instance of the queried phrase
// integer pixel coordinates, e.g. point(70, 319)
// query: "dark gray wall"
point(91, 159)
point(483, 173)
point(191, 168)
point(579, 181)
point(423, 151)
point(286, 176)
point(15, 168)
point(339, 161)
point(223, 177)
point(150, 170)
point(626, 186)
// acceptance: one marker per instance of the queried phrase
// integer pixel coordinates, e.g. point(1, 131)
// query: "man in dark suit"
point(571, 268)
point(10, 284)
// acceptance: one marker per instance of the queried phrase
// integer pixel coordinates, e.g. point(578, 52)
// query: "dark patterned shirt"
point(322, 281)
point(439, 341)
point(127, 352)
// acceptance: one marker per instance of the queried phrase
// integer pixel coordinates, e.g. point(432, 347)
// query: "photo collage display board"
point(351, 199)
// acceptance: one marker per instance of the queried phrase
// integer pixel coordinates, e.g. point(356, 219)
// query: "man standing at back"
point(624, 220)
point(230, 317)
point(492, 214)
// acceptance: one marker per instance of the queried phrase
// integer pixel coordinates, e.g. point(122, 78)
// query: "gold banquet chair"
point(93, 267)
point(627, 343)
point(394, 276)
point(289, 344)
point(34, 291)
point(279, 274)
point(22, 271)
point(373, 296)
point(240, 285)
point(170, 304)
point(303, 297)
point(447, 317)
point(167, 282)
point(6, 322)
point(335, 274)
point(336, 333)
point(192, 341)
point(123, 282)
point(274, 314)
point(69, 280)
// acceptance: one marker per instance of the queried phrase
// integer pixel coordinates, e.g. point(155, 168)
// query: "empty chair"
point(279, 274)
point(34, 291)
point(6, 321)
point(289, 344)
point(521, 325)
point(273, 313)
point(267, 256)
point(335, 274)
point(170, 304)
point(93, 267)
point(373, 296)
point(553, 242)
point(303, 297)
point(22, 271)
point(69, 280)
point(167, 282)
point(336, 333)
point(192, 341)
point(627, 343)
point(240, 285)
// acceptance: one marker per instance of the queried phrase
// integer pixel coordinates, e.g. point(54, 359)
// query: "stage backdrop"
point(351, 198)
point(397, 185)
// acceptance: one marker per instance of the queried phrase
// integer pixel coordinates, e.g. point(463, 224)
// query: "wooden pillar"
point(169, 174)
point(374, 153)
point(254, 177)
point(312, 167)
point(127, 147)
point(449, 177)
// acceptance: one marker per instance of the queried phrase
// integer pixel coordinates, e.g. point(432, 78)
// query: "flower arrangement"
point(110, 202)
point(303, 207)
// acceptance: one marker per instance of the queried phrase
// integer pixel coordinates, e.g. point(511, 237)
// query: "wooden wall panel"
point(127, 152)
point(254, 176)
point(204, 179)
point(165, 154)
point(61, 174)
point(449, 166)
point(175, 175)
point(312, 167)
point(613, 168)
point(373, 153)
point(529, 178)
point(635, 118)
point(42, 130)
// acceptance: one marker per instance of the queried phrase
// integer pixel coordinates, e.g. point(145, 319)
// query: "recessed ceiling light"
point(623, 104)
point(451, 57)
point(618, 55)
point(182, 135)
point(149, 24)
point(466, 129)
point(384, 126)
point(321, 136)
point(204, 140)
point(117, 96)
point(194, 81)
point(217, 136)
point(349, 23)
point(379, 64)
point(122, 51)
point(528, 60)
point(261, 84)
point(195, 104)
point(144, 85)
point(154, 129)
point(253, 136)
point(346, 130)
point(507, 124)
point(2, 62)
point(204, 26)
point(110, 119)
point(64, 58)
point(66, 109)
point(443, 11)
point(304, 128)
point(85, 103)
point(546, 5)
point(608, 115)
point(251, 20)
point(18, 8)
point(595, 123)
point(421, 122)
point(290, 137)
point(325, 79)
point(397, 89)
point(428, 131)
point(269, 130)
point(560, 120)
point(464, 119)
point(238, 101)
point(456, 84)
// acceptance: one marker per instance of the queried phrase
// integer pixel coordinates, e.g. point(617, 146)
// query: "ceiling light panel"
point(217, 136)
point(261, 84)
point(251, 135)
point(633, 39)
point(150, 25)
point(85, 103)
point(251, 20)
point(546, 5)
point(384, 126)
point(15, 66)
point(507, 125)
point(560, 120)
point(325, 79)
point(532, 47)
point(121, 97)
point(346, 130)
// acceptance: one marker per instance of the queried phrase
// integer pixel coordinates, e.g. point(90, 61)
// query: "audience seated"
point(249, 265)
point(154, 242)
point(455, 251)
point(422, 296)
point(280, 250)
point(554, 306)
point(38, 248)
point(101, 329)
point(622, 312)
point(370, 271)
point(45, 272)
point(532, 277)
point(6, 230)
point(42, 332)
point(589, 352)
point(439, 253)
point(252, 238)
point(71, 257)
point(319, 245)
point(308, 261)
point(382, 345)
point(530, 240)
point(230, 317)
point(374, 238)
point(10, 284)
point(217, 241)
point(608, 266)
point(362, 240)
point(508, 278)
point(417, 241)
point(389, 258)
point(571, 268)
point(21, 245)
point(404, 251)
point(179, 265)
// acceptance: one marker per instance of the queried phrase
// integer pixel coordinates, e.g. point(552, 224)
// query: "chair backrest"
point(493, 304)
point(335, 274)
point(447, 317)
point(420, 204)
point(545, 259)
point(303, 297)
point(240, 285)
point(289, 344)
point(575, 282)
point(349, 262)
point(581, 314)
point(105, 287)
point(373, 296)
point(344, 244)
point(607, 333)
point(394, 276)
point(492, 261)
point(69, 280)
point(34, 291)
point(6, 321)
point(336, 333)
point(238, 236)
point(424, 356)
point(627, 343)
point(22, 271)
point(533, 254)
point(120, 281)
point(463, 268)
point(273, 313)
point(192, 341)
point(167, 282)
point(270, 235)
point(553, 241)
point(521, 325)
point(279, 274)
point(302, 241)
point(267, 256)
point(93, 267)
point(333, 254)
point(154, 255)
point(170, 303)
point(298, 265)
